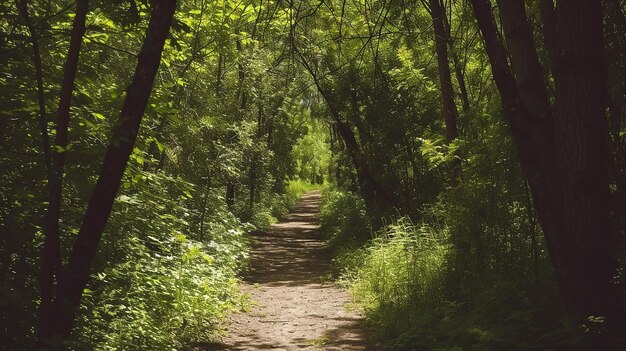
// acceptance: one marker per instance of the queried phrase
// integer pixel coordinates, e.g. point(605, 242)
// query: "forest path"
point(295, 305)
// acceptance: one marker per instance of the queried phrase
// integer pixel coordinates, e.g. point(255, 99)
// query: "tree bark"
point(76, 275)
point(533, 137)
point(548, 28)
point(460, 77)
point(581, 146)
point(52, 264)
point(525, 62)
point(565, 161)
point(449, 109)
point(615, 62)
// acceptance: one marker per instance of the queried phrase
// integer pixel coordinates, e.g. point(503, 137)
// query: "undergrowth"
point(169, 276)
point(274, 207)
point(403, 276)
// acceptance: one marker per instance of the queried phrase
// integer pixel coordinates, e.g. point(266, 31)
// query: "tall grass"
point(401, 275)
point(296, 188)
point(405, 277)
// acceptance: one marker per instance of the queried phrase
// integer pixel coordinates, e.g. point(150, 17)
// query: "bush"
point(401, 275)
point(159, 283)
point(344, 221)
point(407, 281)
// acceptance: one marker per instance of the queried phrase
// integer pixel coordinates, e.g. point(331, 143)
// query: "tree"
point(76, 274)
point(51, 260)
point(564, 158)
point(448, 111)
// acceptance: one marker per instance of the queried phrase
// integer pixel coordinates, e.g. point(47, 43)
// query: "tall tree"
point(51, 257)
point(75, 276)
point(563, 158)
point(22, 6)
point(449, 110)
point(581, 149)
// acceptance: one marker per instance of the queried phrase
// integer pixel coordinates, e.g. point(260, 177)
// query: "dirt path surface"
point(295, 307)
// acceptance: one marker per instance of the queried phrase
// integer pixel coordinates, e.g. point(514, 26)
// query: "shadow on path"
point(295, 307)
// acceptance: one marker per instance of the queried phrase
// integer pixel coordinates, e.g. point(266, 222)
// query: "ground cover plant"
point(470, 153)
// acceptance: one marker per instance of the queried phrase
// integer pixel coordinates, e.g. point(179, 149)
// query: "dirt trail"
point(295, 307)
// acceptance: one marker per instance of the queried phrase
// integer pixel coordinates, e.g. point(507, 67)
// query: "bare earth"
point(295, 307)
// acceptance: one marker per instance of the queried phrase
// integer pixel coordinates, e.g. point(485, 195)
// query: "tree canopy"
point(473, 154)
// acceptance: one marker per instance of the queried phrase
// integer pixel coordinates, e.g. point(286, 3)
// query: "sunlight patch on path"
point(294, 307)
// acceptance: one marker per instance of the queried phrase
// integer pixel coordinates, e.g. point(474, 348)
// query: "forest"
point(469, 157)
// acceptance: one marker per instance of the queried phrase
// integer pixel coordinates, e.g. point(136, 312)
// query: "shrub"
point(401, 275)
point(158, 283)
point(344, 221)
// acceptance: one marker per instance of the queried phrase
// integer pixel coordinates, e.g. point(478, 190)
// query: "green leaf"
point(98, 116)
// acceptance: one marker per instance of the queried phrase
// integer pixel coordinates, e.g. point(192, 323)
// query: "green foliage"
point(401, 275)
point(313, 155)
point(344, 221)
point(405, 279)
point(167, 266)
point(297, 187)
point(244, 118)
point(160, 300)
point(162, 284)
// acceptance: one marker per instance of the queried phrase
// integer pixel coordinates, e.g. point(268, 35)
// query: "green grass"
point(298, 187)
point(402, 274)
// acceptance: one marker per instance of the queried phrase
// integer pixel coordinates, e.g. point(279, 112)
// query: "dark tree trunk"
point(448, 110)
point(22, 6)
point(459, 68)
point(615, 59)
point(76, 275)
point(371, 190)
point(460, 77)
point(564, 159)
point(581, 147)
point(533, 136)
point(548, 28)
point(525, 62)
point(51, 260)
point(230, 193)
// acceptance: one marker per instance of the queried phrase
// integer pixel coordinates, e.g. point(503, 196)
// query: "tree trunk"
point(448, 110)
point(76, 275)
point(51, 256)
point(548, 28)
point(615, 62)
point(581, 147)
point(532, 136)
point(525, 62)
point(564, 160)
point(460, 77)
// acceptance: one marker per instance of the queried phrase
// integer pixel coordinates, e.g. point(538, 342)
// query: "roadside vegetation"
point(472, 156)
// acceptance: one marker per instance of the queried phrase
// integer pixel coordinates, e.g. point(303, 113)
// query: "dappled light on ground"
point(295, 306)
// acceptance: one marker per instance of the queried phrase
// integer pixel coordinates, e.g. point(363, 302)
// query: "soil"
point(295, 304)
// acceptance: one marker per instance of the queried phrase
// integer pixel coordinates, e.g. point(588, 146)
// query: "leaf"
point(159, 145)
point(98, 116)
